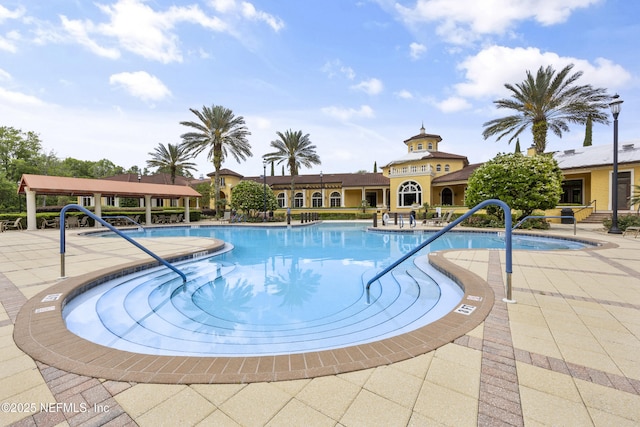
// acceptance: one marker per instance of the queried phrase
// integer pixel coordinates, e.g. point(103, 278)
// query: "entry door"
point(447, 197)
point(624, 190)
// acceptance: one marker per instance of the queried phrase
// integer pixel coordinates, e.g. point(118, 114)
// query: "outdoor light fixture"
point(264, 187)
point(615, 110)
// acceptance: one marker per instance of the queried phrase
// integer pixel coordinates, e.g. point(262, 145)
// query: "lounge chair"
point(226, 217)
point(49, 223)
point(15, 225)
point(443, 220)
point(84, 221)
point(635, 229)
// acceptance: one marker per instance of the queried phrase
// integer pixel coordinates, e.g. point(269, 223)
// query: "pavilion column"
point(342, 202)
point(147, 209)
point(186, 210)
point(32, 222)
point(97, 201)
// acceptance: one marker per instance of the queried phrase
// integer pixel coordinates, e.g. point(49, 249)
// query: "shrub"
point(624, 221)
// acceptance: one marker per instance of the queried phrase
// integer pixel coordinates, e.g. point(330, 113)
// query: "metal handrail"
point(112, 228)
point(548, 216)
point(507, 223)
point(593, 202)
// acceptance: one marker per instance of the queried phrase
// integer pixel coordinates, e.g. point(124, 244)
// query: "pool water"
point(278, 290)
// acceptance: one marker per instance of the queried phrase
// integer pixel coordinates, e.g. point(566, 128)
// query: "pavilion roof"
point(62, 185)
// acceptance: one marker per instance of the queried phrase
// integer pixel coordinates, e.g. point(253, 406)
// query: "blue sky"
point(113, 78)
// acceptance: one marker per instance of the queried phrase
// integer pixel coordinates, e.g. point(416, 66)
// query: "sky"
point(114, 78)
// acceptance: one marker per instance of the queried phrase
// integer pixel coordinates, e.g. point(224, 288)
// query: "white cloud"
point(141, 85)
point(249, 11)
point(10, 14)
point(77, 30)
point(453, 104)
point(404, 94)
point(463, 21)
point(416, 50)
point(18, 98)
point(136, 27)
point(487, 72)
point(4, 75)
point(372, 86)
point(335, 67)
point(346, 114)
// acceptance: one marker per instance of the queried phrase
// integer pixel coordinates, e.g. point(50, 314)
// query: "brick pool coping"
point(40, 332)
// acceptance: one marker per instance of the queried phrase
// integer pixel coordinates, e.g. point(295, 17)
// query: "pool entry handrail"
point(110, 227)
point(548, 216)
point(507, 235)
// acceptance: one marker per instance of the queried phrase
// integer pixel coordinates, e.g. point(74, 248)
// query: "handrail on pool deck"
point(507, 238)
point(112, 228)
point(548, 216)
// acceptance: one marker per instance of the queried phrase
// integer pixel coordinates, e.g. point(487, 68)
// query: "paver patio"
point(567, 353)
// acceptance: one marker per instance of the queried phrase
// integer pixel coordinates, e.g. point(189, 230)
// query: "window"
point(87, 201)
point(414, 169)
point(316, 200)
point(430, 146)
point(410, 193)
point(404, 169)
point(410, 148)
point(335, 199)
point(438, 167)
point(572, 191)
point(423, 168)
point(298, 200)
point(110, 201)
point(419, 146)
point(282, 200)
point(446, 168)
point(221, 181)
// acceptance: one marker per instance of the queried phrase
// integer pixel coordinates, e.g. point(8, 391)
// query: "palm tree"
point(295, 150)
point(222, 133)
point(173, 159)
point(548, 101)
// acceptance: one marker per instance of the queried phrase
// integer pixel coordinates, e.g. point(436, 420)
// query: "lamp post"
point(615, 110)
point(264, 187)
point(321, 191)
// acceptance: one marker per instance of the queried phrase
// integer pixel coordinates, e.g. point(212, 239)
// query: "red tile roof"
point(61, 185)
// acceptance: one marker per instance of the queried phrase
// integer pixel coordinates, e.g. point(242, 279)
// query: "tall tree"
point(548, 101)
point(19, 152)
point(172, 159)
point(518, 150)
point(588, 133)
point(221, 133)
point(295, 150)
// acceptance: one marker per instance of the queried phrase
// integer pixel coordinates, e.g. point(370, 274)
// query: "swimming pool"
point(278, 290)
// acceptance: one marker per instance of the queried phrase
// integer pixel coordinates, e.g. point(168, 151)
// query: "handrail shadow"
point(110, 227)
point(508, 246)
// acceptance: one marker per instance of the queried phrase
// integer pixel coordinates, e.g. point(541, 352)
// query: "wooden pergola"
point(32, 185)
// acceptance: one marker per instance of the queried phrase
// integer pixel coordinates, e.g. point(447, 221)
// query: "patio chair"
point(84, 222)
point(634, 229)
point(444, 219)
point(73, 222)
point(49, 223)
point(15, 225)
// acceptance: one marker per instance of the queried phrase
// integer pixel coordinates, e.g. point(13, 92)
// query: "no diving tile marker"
point(45, 309)
point(51, 297)
point(465, 309)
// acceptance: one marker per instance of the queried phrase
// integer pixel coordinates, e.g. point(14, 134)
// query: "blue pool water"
point(278, 291)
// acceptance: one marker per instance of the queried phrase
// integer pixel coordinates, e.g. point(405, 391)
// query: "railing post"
point(508, 246)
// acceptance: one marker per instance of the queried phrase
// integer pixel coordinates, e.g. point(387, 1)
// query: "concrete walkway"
point(567, 353)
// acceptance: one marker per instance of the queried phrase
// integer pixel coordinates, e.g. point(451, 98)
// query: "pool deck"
point(567, 353)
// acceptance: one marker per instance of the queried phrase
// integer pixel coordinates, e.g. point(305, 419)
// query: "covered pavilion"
point(32, 185)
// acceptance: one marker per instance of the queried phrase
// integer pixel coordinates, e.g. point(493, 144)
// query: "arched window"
point(430, 146)
point(316, 200)
point(335, 199)
point(446, 168)
point(409, 193)
point(419, 147)
point(438, 167)
point(298, 200)
point(282, 200)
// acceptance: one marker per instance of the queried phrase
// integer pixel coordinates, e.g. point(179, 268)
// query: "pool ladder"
point(110, 227)
point(508, 246)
